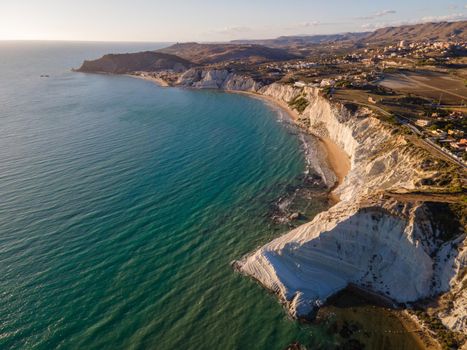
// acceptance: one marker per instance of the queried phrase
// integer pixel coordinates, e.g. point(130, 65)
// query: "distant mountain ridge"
point(439, 31)
point(304, 39)
point(215, 53)
point(182, 56)
point(433, 31)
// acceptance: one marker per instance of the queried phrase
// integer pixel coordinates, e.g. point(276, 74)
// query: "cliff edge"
point(131, 62)
point(391, 233)
point(398, 230)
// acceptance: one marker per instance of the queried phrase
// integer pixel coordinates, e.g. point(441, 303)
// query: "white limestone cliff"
point(383, 244)
point(377, 244)
point(217, 79)
point(454, 316)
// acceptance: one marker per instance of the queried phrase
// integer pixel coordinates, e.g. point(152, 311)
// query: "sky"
point(210, 20)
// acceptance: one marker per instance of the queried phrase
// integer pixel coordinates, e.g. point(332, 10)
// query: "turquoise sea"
point(122, 205)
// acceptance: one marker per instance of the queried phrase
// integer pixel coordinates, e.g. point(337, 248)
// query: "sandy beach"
point(337, 159)
point(158, 81)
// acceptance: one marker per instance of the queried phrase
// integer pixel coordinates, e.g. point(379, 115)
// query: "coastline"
point(340, 164)
point(158, 81)
point(358, 306)
point(338, 160)
point(335, 157)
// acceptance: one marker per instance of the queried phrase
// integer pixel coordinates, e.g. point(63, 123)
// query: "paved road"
point(428, 142)
point(435, 146)
point(406, 122)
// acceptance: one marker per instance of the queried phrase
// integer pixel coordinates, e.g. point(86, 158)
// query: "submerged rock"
point(295, 346)
point(294, 216)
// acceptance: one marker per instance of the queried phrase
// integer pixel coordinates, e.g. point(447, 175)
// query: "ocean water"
point(122, 205)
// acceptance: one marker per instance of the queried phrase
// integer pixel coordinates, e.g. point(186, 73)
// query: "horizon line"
point(228, 40)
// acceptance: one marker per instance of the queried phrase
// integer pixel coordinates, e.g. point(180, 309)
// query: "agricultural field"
point(445, 89)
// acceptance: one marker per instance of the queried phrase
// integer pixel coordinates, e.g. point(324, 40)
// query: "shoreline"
point(339, 163)
point(354, 296)
point(336, 158)
point(158, 81)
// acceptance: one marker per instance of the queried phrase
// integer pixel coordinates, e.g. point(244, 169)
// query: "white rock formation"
point(217, 79)
point(377, 245)
point(455, 316)
point(370, 239)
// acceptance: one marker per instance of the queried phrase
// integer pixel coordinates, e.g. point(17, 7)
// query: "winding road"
point(427, 142)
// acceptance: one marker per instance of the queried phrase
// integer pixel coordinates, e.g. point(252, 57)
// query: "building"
point(299, 84)
point(455, 132)
point(422, 122)
point(440, 133)
point(371, 100)
point(327, 82)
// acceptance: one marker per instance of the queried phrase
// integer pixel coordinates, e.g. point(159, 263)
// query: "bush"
point(299, 103)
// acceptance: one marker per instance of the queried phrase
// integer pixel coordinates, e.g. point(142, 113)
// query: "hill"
point(140, 61)
point(215, 53)
point(296, 40)
point(440, 31)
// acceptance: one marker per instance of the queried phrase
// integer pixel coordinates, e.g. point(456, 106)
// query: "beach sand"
point(158, 81)
point(338, 161)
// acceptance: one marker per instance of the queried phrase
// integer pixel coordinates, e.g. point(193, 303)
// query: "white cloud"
point(307, 25)
point(373, 26)
point(229, 33)
point(310, 24)
point(384, 13)
point(443, 18)
point(451, 17)
point(378, 14)
point(232, 30)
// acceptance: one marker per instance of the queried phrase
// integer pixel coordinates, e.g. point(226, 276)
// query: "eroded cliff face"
point(217, 79)
point(454, 315)
point(380, 244)
point(378, 236)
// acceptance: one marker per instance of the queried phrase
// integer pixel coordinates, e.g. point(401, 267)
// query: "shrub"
point(299, 103)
